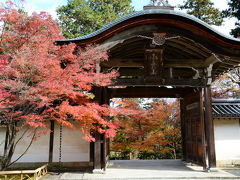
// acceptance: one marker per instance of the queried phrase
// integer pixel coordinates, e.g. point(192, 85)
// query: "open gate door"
point(194, 145)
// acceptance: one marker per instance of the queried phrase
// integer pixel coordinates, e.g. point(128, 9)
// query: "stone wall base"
point(228, 163)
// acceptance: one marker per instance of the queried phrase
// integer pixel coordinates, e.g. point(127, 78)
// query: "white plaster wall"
point(2, 139)
point(38, 151)
point(227, 139)
point(74, 148)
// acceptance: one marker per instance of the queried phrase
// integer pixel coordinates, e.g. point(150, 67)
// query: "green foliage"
point(234, 11)
point(81, 17)
point(204, 10)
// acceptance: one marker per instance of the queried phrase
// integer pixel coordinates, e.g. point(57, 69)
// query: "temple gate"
point(160, 52)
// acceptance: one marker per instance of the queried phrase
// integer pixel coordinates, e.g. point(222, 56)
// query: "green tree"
point(234, 11)
point(204, 10)
point(81, 17)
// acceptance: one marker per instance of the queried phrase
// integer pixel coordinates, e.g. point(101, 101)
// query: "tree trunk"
point(9, 146)
point(174, 151)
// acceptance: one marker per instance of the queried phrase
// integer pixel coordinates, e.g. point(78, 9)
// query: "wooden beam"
point(209, 128)
point(139, 63)
point(176, 72)
point(148, 92)
point(235, 59)
point(156, 81)
point(184, 63)
point(191, 45)
point(186, 48)
point(123, 63)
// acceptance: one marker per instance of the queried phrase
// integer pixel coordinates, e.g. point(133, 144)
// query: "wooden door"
point(194, 131)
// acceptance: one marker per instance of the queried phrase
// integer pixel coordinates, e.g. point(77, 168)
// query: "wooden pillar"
point(97, 154)
point(106, 100)
point(183, 129)
point(97, 144)
point(91, 153)
point(203, 130)
point(99, 147)
point(209, 128)
point(50, 158)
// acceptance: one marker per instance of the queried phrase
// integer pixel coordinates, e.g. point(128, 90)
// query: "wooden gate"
point(194, 145)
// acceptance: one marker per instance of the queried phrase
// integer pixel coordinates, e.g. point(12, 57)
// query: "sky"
point(51, 5)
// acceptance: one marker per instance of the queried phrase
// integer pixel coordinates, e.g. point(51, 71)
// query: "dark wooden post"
point(183, 129)
point(50, 158)
point(91, 153)
point(97, 154)
point(209, 128)
point(105, 100)
point(99, 147)
point(97, 144)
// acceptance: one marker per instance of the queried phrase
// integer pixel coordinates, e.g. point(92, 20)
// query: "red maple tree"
point(41, 81)
point(151, 132)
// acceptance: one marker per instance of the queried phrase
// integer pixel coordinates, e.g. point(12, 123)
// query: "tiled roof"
point(226, 107)
point(146, 13)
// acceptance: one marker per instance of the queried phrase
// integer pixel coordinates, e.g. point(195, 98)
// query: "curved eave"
point(159, 16)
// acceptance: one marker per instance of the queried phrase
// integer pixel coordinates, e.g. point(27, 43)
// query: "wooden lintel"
point(123, 63)
point(148, 92)
point(156, 81)
point(185, 63)
point(176, 72)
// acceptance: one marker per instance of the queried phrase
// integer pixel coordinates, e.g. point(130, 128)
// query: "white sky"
point(51, 5)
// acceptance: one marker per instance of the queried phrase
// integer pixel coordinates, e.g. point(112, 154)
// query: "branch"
point(26, 148)
point(4, 99)
point(20, 138)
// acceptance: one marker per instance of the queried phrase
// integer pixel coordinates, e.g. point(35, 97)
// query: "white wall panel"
point(38, 151)
point(74, 148)
point(227, 139)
